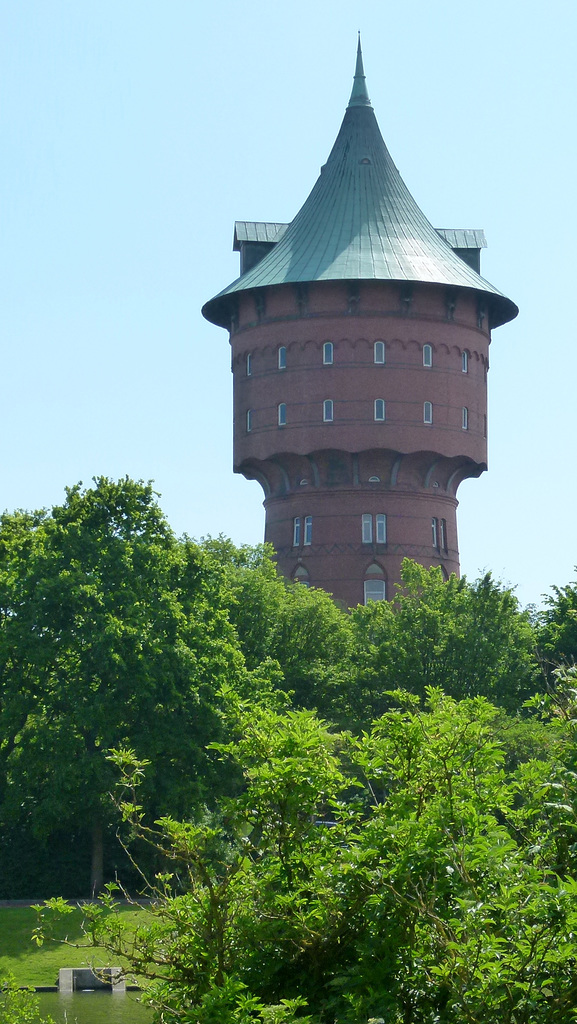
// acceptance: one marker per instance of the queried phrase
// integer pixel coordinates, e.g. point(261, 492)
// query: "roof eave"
point(220, 309)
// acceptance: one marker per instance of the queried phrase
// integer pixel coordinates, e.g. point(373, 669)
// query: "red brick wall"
point(309, 467)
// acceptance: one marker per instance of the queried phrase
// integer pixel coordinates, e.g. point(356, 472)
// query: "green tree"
point(403, 875)
point(467, 638)
point(19, 1006)
point(111, 631)
point(557, 628)
point(299, 628)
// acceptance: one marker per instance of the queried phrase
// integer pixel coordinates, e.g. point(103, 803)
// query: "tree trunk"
point(97, 866)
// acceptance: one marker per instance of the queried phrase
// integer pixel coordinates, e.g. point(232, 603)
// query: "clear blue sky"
point(134, 133)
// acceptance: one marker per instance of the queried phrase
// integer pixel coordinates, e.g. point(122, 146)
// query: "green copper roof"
point(360, 223)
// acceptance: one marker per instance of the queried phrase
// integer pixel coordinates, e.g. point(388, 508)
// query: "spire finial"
point(359, 95)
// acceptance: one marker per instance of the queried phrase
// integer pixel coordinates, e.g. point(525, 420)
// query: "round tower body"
point(360, 339)
point(360, 412)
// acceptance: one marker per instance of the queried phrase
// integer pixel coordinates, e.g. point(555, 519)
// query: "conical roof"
point(360, 223)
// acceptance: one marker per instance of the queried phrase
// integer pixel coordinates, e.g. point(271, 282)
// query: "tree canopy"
point(402, 875)
point(114, 631)
point(341, 817)
point(557, 628)
point(468, 638)
point(111, 631)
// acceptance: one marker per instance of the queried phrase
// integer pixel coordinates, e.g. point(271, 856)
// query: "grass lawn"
point(39, 965)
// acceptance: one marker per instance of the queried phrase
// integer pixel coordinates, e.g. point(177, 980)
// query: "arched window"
point(282, 358)
point(282, 415)
point(379, 352)
point(465, 420)
point(379, 409)
point(328, 410)
point(374, 528)
point(443, 525)
point(375, 588)
point(427, 412)
point(328, 353)
point(427, 355)
point(308, 530)
point(248, 420)
point(248, 364)
point(435, 532)
point(297, 532)
point(465, 362)
point(367, 529)
point(301, 576)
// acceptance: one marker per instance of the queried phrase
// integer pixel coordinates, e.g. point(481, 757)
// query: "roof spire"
point(359, 95)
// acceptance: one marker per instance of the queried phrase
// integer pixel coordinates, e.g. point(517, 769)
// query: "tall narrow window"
point(308, 530)
point(427, 412)
point(379, 352)
point(435, 532)
point(328, 410)
point(444, 534)
point(375, 590)
point(465, 419)
point(282, 415)
point(381, 529)
point(248, 420)
point(328, 353)
point(282, 358)
point(465, 362)
point(297, 532)
point(427, 355)
point(379, 409)
point(367, 529)
point(248, 364)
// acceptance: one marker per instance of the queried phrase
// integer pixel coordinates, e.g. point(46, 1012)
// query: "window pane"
point(381, 524)
point(428, 412)
point(248, 421)
point(374, 590)
point(444, 534)
point(465, 362)
point(427, 355)
point(435, 532)
point(282, 415)
point(328, 353)
point(379, 351)
point(465, 418)
point(379, 409)
point(328, 410)
point(367, 529)
point(308, 529)
point(248, 364)
point(296, 532)
point(282, 358)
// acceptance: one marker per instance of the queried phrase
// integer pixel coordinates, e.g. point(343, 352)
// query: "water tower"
point(360, 349)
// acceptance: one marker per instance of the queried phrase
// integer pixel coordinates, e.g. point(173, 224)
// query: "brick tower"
point(360, 339)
